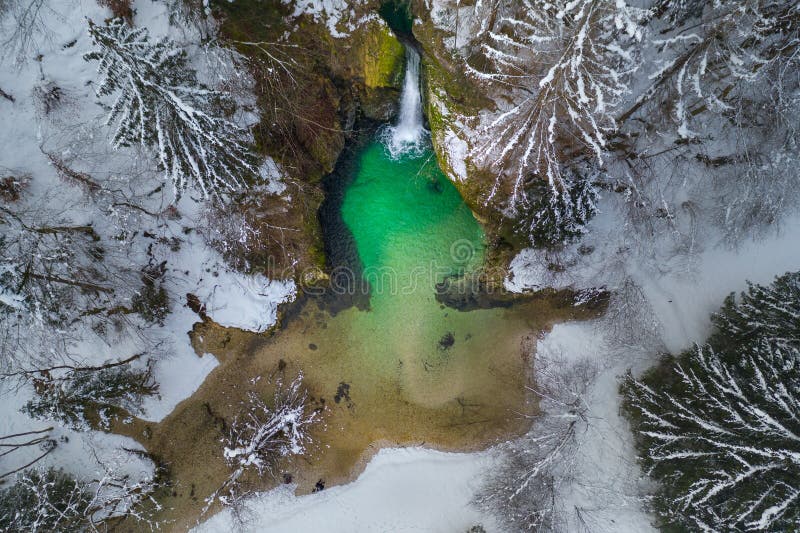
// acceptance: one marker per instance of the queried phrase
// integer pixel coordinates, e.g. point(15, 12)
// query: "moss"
point(448, 93)
point(251, 20)
point(383, 57)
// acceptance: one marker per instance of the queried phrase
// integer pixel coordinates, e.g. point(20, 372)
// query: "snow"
point(457, 149)
point(529, 271)
point(401, 490)
point(272, 174)
point(678, 302)
point(683, 306)
point(246, 302)
point(337, 14)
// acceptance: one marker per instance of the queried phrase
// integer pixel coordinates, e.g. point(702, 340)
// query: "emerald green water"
point(411, 227)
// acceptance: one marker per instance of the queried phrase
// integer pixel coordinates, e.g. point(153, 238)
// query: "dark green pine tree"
point(160, 105)
point(52, 500)
point(80, 395)
point(718, 427)
point(47, 500)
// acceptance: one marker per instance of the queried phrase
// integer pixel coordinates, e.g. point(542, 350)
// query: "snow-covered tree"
point(51, 272)
point(54, 500)
point(718, 103)
point(719, 426)
point(552, 219)
point(711, 55)
point(90, 397)
point(564, 67)
point(528, 489)
point(47, 500)
point(160, 105)
point(262, 435)
point(59, 279)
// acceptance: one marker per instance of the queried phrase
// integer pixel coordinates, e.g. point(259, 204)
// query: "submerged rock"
point(447, 341)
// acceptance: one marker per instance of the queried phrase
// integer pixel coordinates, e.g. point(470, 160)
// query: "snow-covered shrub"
point(13, 186)
point(718, 426)
point(233, 229)
point(151, 301)
point(263, 434)
point(49, 97)
point(160, 105)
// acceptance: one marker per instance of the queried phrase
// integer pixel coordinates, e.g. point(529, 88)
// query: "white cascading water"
point(408, 136)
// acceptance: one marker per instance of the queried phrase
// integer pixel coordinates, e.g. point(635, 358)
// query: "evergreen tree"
point(51, 499)
point(719, 426)
point(76, 397)
point(161, 105)
point(48, 500)
point(559, 217)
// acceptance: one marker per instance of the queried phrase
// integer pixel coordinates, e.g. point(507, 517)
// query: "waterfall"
point(408, 136)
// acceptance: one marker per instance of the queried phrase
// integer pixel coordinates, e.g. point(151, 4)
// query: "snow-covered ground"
point(246, 302)
point(401, 490)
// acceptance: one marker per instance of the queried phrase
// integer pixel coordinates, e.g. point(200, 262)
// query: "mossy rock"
point(383, 57)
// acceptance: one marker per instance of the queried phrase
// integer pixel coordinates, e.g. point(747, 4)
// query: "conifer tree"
point(160, 105)
point(719, 426)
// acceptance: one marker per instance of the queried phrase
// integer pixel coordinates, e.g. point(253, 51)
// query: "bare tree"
point(16, 442)
point(565, 68)
point(528, 489)
point(24, 25)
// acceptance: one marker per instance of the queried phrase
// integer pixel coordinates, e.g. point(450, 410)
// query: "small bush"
point(12, 187)
point(151, 302)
